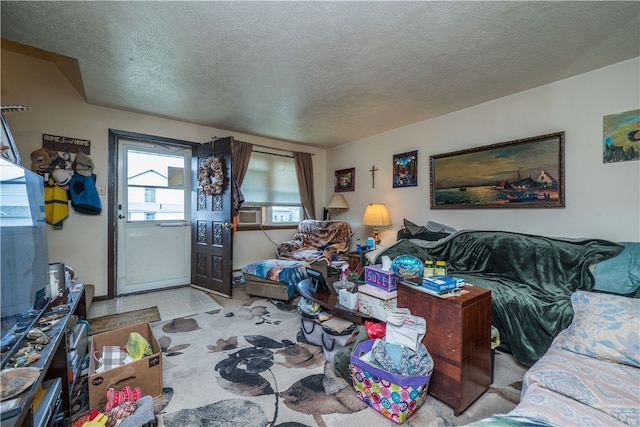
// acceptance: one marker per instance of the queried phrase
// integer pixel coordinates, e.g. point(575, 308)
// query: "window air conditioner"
point(249, 216)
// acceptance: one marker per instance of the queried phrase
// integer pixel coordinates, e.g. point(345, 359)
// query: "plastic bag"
point(308, 307)
point(375, 329)
point(138, 347)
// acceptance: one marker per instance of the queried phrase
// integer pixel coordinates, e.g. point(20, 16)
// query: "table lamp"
point(337, 202)
point(376, 215)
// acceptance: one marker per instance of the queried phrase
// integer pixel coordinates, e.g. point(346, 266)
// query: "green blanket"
point(531, 279)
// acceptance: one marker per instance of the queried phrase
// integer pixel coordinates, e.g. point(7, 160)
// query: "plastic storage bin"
point(396, 397)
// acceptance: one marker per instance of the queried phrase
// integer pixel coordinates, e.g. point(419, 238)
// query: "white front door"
point(154, 212)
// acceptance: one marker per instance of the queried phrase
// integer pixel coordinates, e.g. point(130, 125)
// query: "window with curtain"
point(270, 190)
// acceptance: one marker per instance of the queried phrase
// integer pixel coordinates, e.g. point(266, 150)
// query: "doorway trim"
point(112, 199)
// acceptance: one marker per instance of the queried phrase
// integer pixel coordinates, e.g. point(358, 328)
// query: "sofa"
point(531, 277)
point(314, 244)
point(591, 373)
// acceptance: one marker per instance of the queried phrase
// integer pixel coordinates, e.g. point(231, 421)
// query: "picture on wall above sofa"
point(405, 169)
point(525, 173)
point(621, 135)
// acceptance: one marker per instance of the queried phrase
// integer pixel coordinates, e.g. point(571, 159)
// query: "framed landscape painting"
point(526, 173)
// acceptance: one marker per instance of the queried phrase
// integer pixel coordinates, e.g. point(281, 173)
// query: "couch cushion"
point(414, 231)
point(620, 274)
point(606, 327)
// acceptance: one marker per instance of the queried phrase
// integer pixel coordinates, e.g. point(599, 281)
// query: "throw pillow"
point(605, 327)
point(419, 232)
point(620, 274)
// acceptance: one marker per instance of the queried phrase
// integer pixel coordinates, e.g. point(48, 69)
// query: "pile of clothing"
point(401, 350)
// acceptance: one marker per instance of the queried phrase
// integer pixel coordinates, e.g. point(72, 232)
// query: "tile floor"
point(171, 303)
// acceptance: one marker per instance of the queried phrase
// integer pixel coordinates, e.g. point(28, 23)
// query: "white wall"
point(58, 109)
point(602, 200)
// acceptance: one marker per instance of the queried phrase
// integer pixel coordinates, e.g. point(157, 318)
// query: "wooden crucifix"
point(373, 176)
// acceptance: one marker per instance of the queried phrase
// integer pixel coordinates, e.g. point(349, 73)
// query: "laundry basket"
point(395, 396)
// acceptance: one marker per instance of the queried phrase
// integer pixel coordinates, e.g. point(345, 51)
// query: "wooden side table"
point(357, 259)
point(458, 338)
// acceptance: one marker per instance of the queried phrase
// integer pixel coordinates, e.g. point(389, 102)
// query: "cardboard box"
point(145, 373)
point(376, 302)
point(440, 284)
point(383, 279)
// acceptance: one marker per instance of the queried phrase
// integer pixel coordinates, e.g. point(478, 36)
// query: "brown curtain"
point(240, 155)
point(304, 172)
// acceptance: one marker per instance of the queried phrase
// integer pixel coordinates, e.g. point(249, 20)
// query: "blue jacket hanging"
point(84, 195)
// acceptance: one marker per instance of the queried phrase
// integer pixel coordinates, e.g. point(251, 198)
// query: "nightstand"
point(458, 338)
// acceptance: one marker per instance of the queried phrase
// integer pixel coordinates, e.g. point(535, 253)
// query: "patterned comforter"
point(315, 240)
point(566, 388)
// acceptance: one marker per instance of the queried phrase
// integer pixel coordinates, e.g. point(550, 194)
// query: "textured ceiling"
point(320, 73)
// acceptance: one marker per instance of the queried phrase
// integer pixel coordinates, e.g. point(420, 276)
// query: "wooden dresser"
point(459, 340)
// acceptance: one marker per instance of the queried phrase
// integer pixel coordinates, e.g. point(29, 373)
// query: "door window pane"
point(155, 186)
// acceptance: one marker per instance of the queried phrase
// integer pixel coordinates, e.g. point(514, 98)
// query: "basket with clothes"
point(392, 374)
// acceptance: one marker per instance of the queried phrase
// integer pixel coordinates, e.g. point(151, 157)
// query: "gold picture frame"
point(525, 173)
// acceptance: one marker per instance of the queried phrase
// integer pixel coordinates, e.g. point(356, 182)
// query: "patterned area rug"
point(120, 320)
point(250, 365)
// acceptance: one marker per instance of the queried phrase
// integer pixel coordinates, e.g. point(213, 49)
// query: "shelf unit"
point(54, 364)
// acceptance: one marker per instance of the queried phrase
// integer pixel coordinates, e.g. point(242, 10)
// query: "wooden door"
point(212, 229)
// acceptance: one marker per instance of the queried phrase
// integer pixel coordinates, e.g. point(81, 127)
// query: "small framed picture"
point(405, 169)
point(621, 134)
point(345, 180)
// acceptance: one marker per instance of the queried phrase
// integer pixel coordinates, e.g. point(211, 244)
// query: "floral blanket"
point(315, 240)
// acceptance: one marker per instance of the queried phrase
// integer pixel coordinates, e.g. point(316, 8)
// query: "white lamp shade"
point(337, 202)
point(376, 215)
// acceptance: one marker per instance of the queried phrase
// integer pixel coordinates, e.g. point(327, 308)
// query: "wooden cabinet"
point(458, 338)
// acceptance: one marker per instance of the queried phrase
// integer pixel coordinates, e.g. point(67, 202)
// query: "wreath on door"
point(210, 176)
